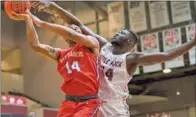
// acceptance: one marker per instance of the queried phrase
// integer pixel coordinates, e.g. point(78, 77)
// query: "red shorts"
point(79, 109)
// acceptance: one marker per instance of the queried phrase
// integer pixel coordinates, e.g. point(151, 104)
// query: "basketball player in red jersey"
point(78, 65)
point(119, 62)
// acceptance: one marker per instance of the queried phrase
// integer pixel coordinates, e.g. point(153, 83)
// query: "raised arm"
point(70, 19)
point(46, 50)
point(65, 15)
point(149, 59)
point(67, 33)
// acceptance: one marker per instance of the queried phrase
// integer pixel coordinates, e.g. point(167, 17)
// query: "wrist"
point(42, 24)
point(52, 4)
point(27, 17)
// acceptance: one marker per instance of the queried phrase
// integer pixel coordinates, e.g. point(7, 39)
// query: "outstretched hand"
point(40, 6)
point(18, 17)
point(35, 19)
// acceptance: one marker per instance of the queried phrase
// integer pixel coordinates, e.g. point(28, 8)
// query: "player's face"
point(122, 39)
point(77, 29)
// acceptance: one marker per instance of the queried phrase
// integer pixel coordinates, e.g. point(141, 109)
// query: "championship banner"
point(158, 14)
point(171, 40)
point(115, 17)
point(137, 16)
point(180, 11)
point(137, 70)
point(191, 34)
point(44, 112)
point(150, 44)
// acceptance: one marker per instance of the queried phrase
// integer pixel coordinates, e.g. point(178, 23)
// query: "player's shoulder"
point(132, 56)
point(83, 49)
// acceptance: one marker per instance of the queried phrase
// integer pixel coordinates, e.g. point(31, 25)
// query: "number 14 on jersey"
point(73, 66)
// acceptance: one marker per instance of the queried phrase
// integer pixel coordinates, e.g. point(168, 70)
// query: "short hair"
point(136, 39)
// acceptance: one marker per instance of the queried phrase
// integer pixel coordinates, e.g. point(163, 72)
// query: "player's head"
point(75, 28)
point(125, 40)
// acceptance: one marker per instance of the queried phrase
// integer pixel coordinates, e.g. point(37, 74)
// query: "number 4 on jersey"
point(109, 74)
point(74, 66)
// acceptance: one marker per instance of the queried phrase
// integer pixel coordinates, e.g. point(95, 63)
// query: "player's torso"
point(116, 77)
point(79, 67)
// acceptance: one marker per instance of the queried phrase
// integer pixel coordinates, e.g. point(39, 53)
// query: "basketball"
point(17, 6)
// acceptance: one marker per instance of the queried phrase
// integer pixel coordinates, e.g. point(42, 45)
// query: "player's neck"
point(118, 51)
point(72, 45)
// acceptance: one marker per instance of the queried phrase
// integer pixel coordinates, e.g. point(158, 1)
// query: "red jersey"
point(80, 70)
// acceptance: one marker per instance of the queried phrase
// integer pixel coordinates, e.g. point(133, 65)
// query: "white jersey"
point(116, 78)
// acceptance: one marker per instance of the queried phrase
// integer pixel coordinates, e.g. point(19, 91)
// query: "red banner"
point(50, 113)
point(14, 110)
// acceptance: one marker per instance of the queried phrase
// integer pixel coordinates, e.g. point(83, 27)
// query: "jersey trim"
point(97, 67)
point(95, 110)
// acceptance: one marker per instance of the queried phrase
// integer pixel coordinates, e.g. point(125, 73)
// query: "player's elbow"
point(92, 43)
point(35, 46)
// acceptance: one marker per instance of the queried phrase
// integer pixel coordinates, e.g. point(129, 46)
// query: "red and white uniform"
point(80, 70)
point(113, 86)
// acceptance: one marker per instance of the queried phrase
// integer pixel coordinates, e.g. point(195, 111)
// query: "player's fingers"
point(34, 10)
point(18, 15)
point(41, 8)
point(35, 4)
point(14, 14)
point(29, 13)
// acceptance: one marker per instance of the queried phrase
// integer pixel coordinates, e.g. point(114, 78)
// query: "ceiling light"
point(166, 71)
point(178, 93)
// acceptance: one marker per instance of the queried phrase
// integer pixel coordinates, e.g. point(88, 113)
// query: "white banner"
point(180, 11)
point(137, 16)
point(171, 40)
point(191, 34)
point(115, 17)
point(158, 14)
point(150, 44)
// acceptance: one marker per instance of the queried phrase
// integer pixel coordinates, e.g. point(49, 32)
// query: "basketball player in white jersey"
point(119, 63)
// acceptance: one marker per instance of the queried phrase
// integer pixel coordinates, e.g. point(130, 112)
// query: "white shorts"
point(114, 108)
